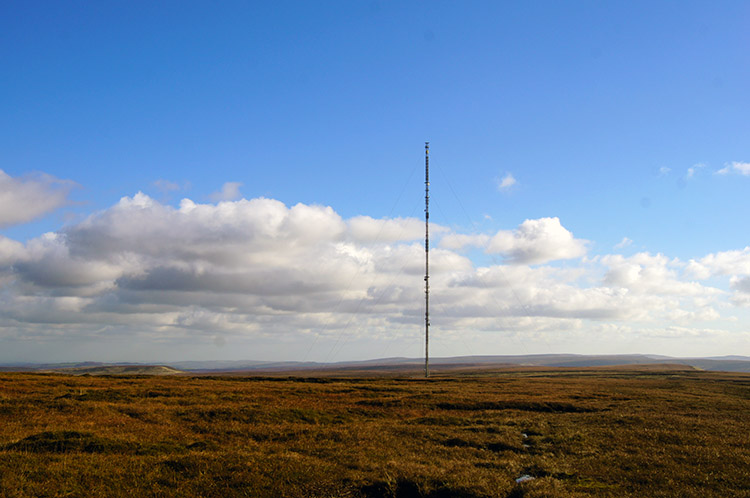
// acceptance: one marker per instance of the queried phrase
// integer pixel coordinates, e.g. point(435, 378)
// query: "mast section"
point(427, 259)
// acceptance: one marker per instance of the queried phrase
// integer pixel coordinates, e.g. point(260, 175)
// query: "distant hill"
point(390, 365)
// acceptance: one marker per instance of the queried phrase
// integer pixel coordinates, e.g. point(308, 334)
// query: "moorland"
point(656, 431)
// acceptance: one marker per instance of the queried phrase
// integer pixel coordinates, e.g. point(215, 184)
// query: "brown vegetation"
point(614, 433)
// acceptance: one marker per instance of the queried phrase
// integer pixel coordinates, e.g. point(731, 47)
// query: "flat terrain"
point(652, 432)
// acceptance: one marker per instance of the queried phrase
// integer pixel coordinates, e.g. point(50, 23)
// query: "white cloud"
point(650, 274)
point(742, 168)
point(736, 262)
point(458, 241)
point(230, 191)
point(735, 167)
point(23, 199)
point(228, 233)
point(367, 229)
point(692, 170)
point(741, 287)
point(506, 182)
point(537, 241)
point(625, 242)
point(679, 332)
point(10, 252)
point(522, 291)
point(664, 171)
point(741, 284)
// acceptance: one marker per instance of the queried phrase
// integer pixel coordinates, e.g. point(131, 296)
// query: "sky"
point(245, 180)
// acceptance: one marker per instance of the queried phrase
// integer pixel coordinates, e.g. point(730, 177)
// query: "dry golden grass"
point(613, 433)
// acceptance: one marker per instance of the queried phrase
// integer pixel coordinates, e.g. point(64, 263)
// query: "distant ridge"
point(118, 370)
point(728, 364)
point(732, 363)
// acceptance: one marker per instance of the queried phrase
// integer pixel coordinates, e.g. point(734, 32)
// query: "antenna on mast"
point(427, 259)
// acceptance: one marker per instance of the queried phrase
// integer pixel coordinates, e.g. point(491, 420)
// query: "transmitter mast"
point(427, 259)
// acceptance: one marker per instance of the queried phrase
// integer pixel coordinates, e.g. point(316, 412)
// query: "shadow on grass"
point(526, 406)
point(406, 488)
point(496, 446)
point(87, 442)
point(67, 442)
point(106, 395)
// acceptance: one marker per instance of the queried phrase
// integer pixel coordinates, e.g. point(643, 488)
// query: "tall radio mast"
point(427, 259)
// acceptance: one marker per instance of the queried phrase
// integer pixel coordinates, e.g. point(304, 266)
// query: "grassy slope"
point(615, 433)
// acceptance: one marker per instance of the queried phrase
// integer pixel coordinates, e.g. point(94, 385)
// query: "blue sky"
point(620, 129)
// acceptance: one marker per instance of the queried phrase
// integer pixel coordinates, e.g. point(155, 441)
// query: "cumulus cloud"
point(662, 288)
point(735, 167)
point(506, 182)
point(650, 274)
point(261, 268)
point(537, 241)
point(735, 262)
point(523, 291)
point(23, 199)
point(48, 264)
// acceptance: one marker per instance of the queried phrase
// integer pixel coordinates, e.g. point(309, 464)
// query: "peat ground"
point(656, 432)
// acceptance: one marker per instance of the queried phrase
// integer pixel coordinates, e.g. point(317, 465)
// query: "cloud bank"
point(258, 268)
